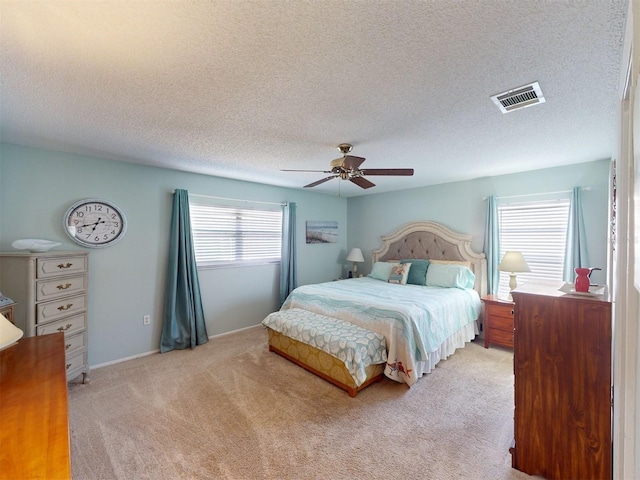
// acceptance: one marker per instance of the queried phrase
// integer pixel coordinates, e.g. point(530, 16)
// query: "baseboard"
point(133, 357)
point(235, 331)
point(120, 360)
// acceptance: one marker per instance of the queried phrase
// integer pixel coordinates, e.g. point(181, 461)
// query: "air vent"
point(520, 97)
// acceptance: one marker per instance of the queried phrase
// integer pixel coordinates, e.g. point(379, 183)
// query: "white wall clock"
point(94, 223)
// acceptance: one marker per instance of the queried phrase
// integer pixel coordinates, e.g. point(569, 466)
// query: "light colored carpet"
point(230, 409)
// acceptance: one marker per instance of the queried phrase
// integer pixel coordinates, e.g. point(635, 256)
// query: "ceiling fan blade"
point(316, 171)
point(320, 181)
point(362, 182)
point(388, 171)
point(350, 162)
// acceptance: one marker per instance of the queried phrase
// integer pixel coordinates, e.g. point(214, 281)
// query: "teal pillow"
point(418, 271)
point(381, 271)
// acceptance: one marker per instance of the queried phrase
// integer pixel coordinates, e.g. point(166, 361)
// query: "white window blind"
point(228, 235)
point(539, 231)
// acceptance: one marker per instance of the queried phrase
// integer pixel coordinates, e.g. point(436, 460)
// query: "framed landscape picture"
point(322, 232)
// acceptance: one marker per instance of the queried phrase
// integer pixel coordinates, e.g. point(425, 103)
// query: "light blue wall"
point(461, 207)
point(126, 280)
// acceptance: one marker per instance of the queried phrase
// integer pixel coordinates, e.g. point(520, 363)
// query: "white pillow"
point(399, 273)
point(381, 270)
point(452, 262)
point(450, 276)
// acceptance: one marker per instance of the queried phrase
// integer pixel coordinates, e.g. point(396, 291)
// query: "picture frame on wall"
point(321, 231)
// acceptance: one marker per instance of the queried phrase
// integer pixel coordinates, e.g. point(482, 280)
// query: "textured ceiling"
point(243, 89)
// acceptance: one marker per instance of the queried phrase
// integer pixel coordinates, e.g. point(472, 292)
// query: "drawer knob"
point(67, 307)
point(62, 265)
point(66, 327)
point(68, 365)
point(67, 346)
point(63, 287)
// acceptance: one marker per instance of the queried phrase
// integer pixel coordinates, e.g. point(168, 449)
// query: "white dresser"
point(50, 291)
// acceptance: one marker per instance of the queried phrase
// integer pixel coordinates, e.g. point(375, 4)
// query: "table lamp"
point(9, 333)
point(355, 256)
point(513, 262)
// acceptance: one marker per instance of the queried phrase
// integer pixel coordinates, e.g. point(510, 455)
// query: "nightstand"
point(7, 311)
point(498, 321)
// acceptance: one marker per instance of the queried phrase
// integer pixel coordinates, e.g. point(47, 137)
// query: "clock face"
point(95, 223)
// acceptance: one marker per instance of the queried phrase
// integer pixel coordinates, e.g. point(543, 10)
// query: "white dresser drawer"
point(50, 267)
point(60, 287)
point(69, 325)
point(75, 363)
point(75, 342)
point(49, 311)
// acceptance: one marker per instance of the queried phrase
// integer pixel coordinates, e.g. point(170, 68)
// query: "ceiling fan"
point(347, 167)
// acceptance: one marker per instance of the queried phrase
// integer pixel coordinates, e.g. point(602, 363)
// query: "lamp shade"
point(513, 262)
point(355, 255)
point(9, 333)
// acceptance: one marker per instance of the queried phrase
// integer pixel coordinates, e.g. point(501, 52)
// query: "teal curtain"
point(492, 245)
point(183, 324)
point(576, 254)
point(288, 278)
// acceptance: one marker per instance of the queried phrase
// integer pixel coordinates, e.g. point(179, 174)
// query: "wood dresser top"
point(552, 289)
point(34, 439)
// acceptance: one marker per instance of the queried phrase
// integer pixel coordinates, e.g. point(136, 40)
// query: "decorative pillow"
point(452, 262)
point(381, 271)
point(399, 273)
point(450, 276)
point(418, 271)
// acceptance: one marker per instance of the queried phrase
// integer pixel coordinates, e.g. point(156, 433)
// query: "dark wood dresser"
point(34, 438)
point(562, 367)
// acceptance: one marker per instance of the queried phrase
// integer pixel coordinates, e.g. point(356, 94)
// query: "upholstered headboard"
point(430, 240)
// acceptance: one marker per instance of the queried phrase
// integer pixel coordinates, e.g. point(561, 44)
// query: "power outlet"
point(146, 320)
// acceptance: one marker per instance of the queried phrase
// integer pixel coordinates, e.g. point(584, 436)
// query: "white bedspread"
point(417, 321)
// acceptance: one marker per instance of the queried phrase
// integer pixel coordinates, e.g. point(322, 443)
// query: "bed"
point(422, 324)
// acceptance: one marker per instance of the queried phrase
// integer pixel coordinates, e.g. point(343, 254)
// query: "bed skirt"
point(448, 347)
point(321, 363)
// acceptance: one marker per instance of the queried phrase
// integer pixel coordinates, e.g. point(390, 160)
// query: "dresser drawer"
point(67, 325)
point(501, 323)
point(49, 311)
point(500, 337)
point(503, 311)
point(60, 287)
point(52, 267)
point(75, 363)
point(75, 342)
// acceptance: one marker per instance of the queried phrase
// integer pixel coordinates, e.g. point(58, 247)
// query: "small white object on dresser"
point(50, 291)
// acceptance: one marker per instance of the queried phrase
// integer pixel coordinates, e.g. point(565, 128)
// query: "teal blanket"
point(414, 319)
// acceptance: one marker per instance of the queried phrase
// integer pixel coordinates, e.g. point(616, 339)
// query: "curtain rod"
point(236, 199)
point(537, 194)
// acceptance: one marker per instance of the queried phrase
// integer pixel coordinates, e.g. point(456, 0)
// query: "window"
point(226, 235)
point(539, 231)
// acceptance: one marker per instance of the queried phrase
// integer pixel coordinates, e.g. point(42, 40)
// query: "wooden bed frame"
point(324, 365)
